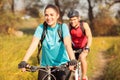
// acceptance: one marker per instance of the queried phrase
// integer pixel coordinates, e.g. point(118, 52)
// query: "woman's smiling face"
point(51, 17)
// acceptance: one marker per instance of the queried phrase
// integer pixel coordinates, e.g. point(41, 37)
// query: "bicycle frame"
point(78, 72)
point(48, 70)
point(49, 75)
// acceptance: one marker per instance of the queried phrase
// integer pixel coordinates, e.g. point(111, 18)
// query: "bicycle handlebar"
point(56, 68)
point(78, 51)
point(34, 68)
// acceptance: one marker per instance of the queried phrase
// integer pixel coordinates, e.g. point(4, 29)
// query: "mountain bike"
point(48, 70)
point(78, 72)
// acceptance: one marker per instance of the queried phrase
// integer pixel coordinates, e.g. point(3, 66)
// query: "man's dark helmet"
point(73, 13)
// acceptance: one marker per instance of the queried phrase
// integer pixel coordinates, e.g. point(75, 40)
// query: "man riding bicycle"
point(81, 39)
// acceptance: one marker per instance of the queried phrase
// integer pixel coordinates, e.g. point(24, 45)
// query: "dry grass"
point(12, 50)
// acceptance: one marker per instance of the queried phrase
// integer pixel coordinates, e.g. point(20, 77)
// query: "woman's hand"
point(72, 68)
point(22, 65)
point(23, 69)
point(72, 64)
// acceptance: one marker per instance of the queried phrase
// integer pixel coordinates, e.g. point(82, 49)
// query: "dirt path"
point(98, 74)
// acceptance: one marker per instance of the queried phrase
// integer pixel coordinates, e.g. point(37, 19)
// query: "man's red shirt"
point(79, 39)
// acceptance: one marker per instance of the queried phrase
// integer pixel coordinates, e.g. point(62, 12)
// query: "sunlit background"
point(19, 19)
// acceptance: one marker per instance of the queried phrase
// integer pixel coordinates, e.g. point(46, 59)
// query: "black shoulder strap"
point(82, 27)
point(44, 32)
point(41, 40)
point(60, 33)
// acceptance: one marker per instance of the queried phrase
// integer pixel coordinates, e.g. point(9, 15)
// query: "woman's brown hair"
point(56, 9)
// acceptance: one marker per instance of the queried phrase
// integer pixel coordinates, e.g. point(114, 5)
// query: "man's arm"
point(88, 34)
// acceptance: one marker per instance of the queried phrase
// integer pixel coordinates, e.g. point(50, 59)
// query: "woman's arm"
point(31, 48)
point(67, 43)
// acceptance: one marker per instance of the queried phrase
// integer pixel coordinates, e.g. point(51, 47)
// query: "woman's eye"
point(51, 14)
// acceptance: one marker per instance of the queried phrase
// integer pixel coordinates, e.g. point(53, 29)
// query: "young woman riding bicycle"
point(54, 53)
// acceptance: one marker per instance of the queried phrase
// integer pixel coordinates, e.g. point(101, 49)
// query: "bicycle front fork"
point(78, 72)
point(49, 72)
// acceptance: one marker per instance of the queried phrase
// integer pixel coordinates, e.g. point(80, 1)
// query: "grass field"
point(110, 47)
point(12, 50)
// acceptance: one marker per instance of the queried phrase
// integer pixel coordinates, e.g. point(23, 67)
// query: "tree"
point(90, 15)
point(12, 5)
point(102, 10)
point(110, 3)
point(104, 23)
point(65, 5)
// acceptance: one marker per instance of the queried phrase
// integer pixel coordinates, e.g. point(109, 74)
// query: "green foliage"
point(8, 20)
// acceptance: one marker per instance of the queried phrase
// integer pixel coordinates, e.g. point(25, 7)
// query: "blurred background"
point(19, 19)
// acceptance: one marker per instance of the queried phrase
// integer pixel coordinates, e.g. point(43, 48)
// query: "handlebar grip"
point(33, 68)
